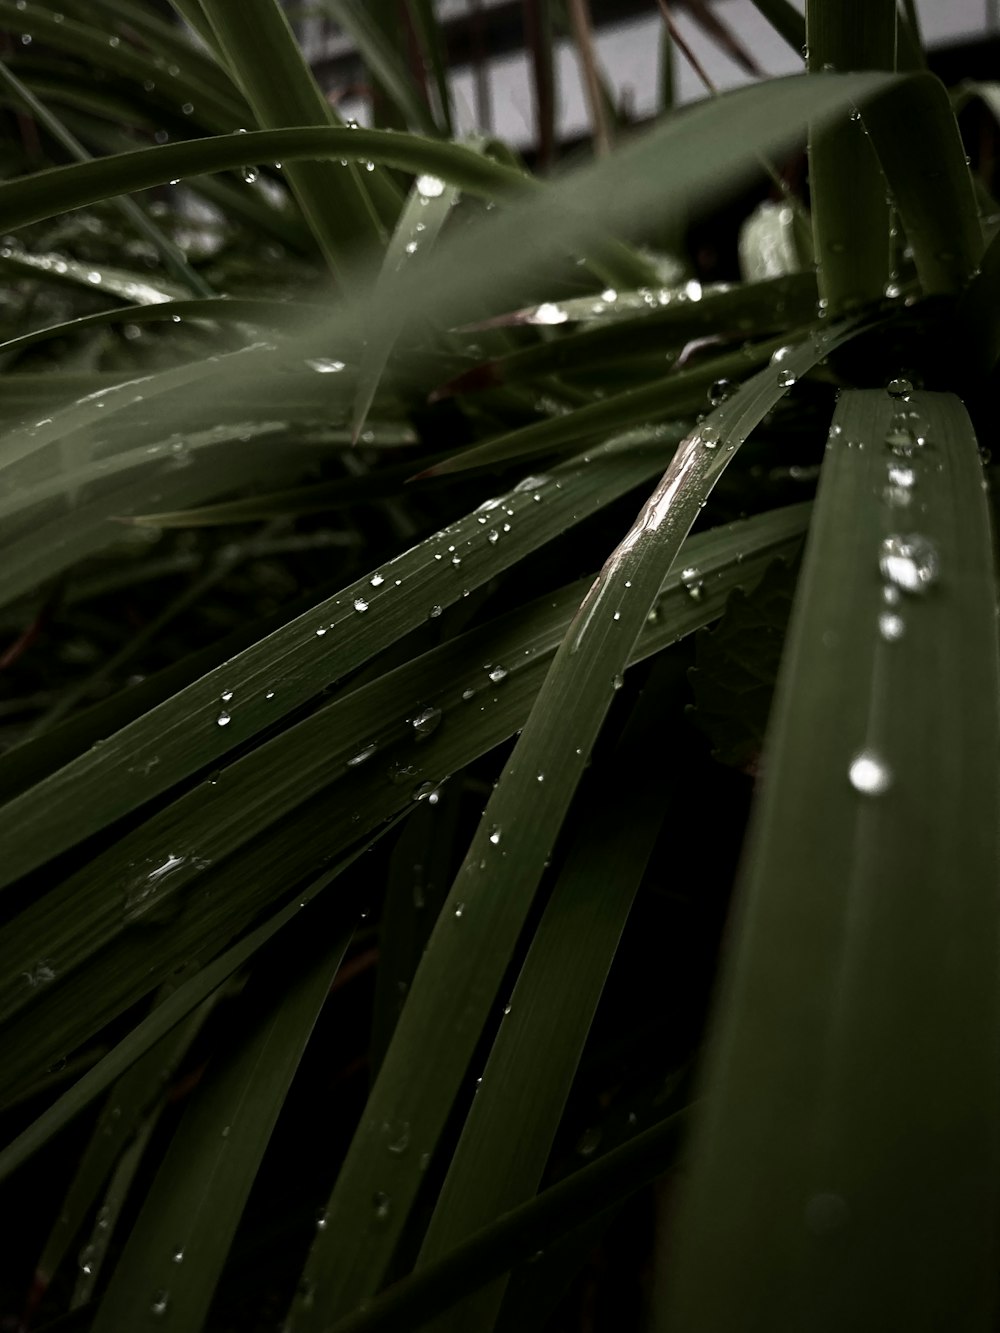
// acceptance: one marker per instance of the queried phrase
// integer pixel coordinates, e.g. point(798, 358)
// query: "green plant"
point(260, 689)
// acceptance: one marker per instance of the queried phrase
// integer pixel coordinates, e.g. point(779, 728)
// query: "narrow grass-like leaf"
point(131, 1099)
point(856, 1026)
point(538, 1046)
point(175, 1252)
point(217, 109)
point(295, 663)
point(657, 322)
point(173, 257)
point(850, 213)
point(424, 214)
point(356, 19)
point(260, 49)
point(81, 932)
point(679, 394)
point(470, 948)
point(161, 1020)
point(520, 1233)
point(912, 125)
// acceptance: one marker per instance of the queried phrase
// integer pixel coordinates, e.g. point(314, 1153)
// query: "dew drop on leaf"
point(909, 562)
point(869, 773)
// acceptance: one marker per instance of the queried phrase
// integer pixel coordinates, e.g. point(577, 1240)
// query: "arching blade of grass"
point(173, 257)
point(910, 125)
point(182, 736)
point(471, 946)
point(850, 212)
point(144, 288)
point(856, 1025)
point(263, 314)
point(131, 1099)
point(538, 1046)
point(177, 1247)
point(357, 19)
point(520, 1233)
point(217, 108)
point(652, 322)
point(424, 214)
point(261, 52)
point(364, 758)
point(681, 393)
point(163, 1019)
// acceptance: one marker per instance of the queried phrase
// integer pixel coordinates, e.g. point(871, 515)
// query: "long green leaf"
point(537, 1049)
point(175, 1252)
point(856, 1029)
point(79, 932)
point(471, 946)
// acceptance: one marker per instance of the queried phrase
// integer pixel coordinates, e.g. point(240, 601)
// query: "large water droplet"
point(720, 391)
point(899, 388)
point(692, 582)
point(869, 773)
point(549, 313)
point(223, 719)
point(249, 175)
point(910, 562)
point(360, 604)
point(497, 674)
point(431, 187)
point(325, 365)
point(159, 1303)
point(495, 835)
point(426, 721)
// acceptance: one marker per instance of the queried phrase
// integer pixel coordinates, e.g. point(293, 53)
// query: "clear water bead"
point(891, 626)
point(899, 388)
point(360, 604)
point(431, 187)
point(223, 720)
point(549, 313)
point(426, 721)
point(869, 773)
point(909, 562)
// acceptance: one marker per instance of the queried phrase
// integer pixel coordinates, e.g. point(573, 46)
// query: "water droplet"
point(377, 580)
point(495, 835)
point(325, 365)
point(720, 391)
point(321, 631)
point(360, 604)
point(426, 792)
point(431, 187)
point(869, 774)
point(223, 719)
point(160, 1302)
point(691, 581)
point(786, 378)
point(177, 1254)
point(900, 475)
point(187, 108)
point(899, 388)
point(589, 1141)
point(497, 674)
point(617, 681)
point(468, 694)
point(87, 1259)
point(549, 313)
point(362, 755)
point(434, 612)
point(249, 175)
point(426, 721)
point(891, 626)
point(397, 1136)
point(910, 562)
point(539, 776)
point(901, 439)
point(226, 695)
point(709, 436)
point(459, 909)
